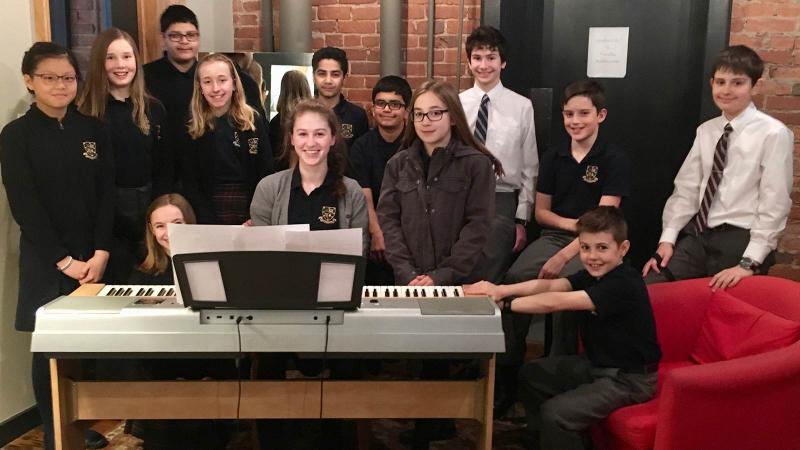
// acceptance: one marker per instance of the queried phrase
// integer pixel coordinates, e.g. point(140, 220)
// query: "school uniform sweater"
point(59, 178)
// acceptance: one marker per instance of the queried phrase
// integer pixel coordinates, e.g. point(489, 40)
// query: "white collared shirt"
point(511, 137)
point(756, 184)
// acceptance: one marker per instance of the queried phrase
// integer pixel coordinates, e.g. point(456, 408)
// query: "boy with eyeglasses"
point(170, 79)
point(368, 157)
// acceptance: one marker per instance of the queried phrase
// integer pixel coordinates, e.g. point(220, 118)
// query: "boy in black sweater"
point(564, 395)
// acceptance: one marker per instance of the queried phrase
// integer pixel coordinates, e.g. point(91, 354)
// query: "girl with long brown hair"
point(316, 191)
point(437, 197)
point(228, 150)
point(115, 94)
point(435, 210)
point(156, 268)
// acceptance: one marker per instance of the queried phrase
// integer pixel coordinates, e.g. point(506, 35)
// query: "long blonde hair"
point(202, 121)
point(459, 130)
point(94, 98)
point(294, 87)
point(157, 259)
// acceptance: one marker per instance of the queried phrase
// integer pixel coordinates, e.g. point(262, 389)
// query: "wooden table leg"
point(485, 437)
point(69, 434)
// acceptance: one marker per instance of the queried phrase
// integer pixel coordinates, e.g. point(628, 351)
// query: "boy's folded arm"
point(544, 215)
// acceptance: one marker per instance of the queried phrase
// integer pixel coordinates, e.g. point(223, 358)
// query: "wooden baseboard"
point(19, 424)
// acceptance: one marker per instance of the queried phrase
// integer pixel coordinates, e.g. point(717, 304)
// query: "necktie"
point(720, 157)
point(483, 120)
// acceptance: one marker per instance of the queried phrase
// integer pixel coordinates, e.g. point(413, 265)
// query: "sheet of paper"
point(340, 242)
point(608, 52)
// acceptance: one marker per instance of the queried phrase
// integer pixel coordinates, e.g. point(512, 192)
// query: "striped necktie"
point(720, 157)
point(481, 125)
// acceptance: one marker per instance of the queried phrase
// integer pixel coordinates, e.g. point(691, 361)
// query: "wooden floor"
point(508, 435)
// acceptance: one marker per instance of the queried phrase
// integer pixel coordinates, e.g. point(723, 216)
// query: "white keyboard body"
point(128, 324)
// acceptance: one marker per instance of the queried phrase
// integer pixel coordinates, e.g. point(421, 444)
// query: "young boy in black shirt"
point(330, 69)
point(368, 157)
point(564, 395)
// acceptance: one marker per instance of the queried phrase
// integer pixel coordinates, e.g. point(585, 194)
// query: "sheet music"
point(184, 238)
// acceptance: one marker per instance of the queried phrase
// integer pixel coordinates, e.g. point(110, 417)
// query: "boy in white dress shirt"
point(732, 193)
point(508, 131)
point(503, 120)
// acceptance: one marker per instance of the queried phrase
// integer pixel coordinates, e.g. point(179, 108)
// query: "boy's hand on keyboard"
point(486, 288)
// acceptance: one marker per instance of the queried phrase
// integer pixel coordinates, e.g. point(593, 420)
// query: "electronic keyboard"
point(137, 321)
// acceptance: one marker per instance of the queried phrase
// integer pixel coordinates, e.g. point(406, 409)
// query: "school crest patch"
point(347, 130)
point(90, 150)
point(591, 174)
point(252, 146)
point(328, 216)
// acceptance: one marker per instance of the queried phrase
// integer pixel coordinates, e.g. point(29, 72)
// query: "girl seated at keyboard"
point(315, 191)
point(157, 265)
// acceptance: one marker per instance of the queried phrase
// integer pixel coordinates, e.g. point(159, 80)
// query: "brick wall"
point(772, 27)
point(84, 18)
point(354, 25)
point(247, 25)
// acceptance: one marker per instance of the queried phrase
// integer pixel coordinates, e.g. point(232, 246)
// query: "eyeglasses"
point(433, 115)
point(394, 106)
point(191, 36)
point(51, 79)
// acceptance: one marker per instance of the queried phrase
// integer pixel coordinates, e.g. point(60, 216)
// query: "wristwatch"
point(747, 263)
point(522, 222)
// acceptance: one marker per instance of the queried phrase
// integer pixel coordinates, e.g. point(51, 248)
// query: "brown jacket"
point(439, 225)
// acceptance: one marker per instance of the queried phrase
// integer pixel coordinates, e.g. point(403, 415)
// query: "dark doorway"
point(653, 111)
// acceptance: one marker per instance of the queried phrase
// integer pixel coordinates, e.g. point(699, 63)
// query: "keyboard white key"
point(411, 292)
point(133, 290)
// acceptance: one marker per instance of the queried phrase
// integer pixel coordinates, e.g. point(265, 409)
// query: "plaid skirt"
point(230, 203)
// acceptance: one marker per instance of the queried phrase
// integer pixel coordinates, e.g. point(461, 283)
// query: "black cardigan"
point(59, 177)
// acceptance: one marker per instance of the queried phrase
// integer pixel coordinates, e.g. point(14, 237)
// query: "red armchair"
point(745, 403)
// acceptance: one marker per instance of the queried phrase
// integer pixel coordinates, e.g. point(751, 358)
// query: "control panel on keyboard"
point(132, 290)
point(389, 292)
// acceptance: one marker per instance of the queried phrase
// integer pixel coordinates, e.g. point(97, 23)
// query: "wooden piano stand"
point(76, 400)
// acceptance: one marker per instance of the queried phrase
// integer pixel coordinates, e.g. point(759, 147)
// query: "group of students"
point(442, 187)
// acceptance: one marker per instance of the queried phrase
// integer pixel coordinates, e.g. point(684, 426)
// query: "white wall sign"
point(608, 52)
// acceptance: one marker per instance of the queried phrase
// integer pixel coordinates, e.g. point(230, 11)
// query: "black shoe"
point(502, 405)
point(95, 440)
point(426, 431)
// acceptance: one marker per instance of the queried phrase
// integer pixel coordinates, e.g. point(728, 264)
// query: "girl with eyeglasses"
point(435, 210)
point(437, 197)
point(115, 94)
point(229, 152)
point(57, 168)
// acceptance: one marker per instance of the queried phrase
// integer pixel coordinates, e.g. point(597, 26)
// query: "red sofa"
point(751, 402)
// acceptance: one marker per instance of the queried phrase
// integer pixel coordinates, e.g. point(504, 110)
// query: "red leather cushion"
point(734, 328)
point(633, 426)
